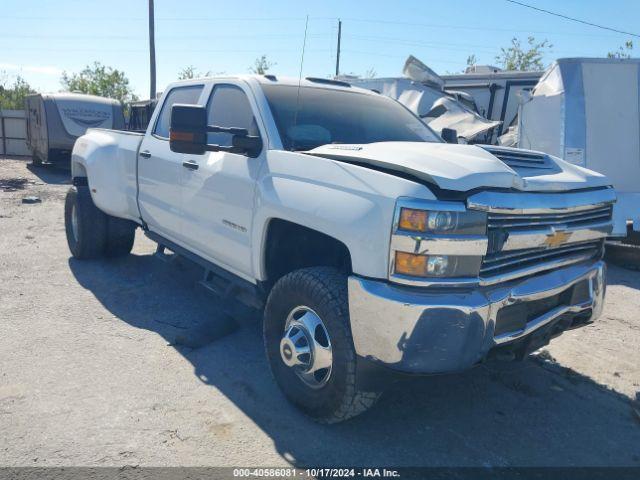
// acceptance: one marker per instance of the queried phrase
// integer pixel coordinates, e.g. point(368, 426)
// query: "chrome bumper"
point(438, 330)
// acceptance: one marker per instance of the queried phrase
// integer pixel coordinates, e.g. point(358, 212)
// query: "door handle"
point(191, 165)
point(145, 154)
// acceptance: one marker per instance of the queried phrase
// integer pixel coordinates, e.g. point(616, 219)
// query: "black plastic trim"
point(80, 182)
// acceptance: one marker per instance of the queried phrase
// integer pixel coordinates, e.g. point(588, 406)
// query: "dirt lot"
point(129, 362)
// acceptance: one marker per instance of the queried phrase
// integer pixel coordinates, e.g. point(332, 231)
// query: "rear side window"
point(229, 107)
point(189, 94)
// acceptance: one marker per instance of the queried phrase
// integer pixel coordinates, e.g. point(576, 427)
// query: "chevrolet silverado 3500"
point(374, 248)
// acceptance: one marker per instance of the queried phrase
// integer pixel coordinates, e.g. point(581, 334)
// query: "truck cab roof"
point(268, 79)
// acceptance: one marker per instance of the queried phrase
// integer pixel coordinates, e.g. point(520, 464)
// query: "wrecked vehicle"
point(421, 90)
point(374, 248)
point(585, 111)
point(495, 92)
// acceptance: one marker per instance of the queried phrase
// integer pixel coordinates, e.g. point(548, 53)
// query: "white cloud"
point(43, 70)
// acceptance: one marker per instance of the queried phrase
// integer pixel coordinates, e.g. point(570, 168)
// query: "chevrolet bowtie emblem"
point(555, 238)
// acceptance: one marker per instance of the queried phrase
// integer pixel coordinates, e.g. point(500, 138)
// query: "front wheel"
point(309, 346)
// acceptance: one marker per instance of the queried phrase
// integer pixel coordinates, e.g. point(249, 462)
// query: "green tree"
point(371, 73)
point(98, 79)
point(529, 57)
point(12, 94)
point(261, 65)
point(472, 60)
point(190, 72)
point(623, 51)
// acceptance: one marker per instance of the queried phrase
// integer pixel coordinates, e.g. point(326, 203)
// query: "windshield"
point(337, 116)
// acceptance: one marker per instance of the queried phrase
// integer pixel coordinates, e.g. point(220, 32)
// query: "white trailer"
point(586, 111)
point(55, 121)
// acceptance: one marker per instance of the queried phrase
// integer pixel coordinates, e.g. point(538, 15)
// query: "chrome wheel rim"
point(74, 222)
point(306, 347)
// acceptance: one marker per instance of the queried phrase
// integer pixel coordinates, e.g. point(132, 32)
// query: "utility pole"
point(152, 51)
point(338, 50)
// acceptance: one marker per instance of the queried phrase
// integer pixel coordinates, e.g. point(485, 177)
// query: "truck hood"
point(467, 167)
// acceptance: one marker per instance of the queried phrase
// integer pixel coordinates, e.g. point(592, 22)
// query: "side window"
point(189, 94)
point(229, 107)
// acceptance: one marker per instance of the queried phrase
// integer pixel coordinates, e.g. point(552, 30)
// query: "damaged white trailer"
point(587, 111)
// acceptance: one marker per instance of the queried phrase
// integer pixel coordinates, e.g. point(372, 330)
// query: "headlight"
point(442, 221)
point(436, 266)
point(436, 241)
point(421, 265)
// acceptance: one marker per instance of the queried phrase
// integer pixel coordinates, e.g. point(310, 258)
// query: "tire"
point(323, 292)
point(87, 240)
point(623, 254)
point(121, 234)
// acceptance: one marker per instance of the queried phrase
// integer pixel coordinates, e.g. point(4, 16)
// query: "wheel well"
point(290, 246)
point(78, 170)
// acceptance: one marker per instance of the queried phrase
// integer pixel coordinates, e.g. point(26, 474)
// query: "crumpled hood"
point(462, 167)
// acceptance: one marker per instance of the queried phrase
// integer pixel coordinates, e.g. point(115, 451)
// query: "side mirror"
point(188, 129)
point(248, 144)
point(449, 135)
point(188, 133)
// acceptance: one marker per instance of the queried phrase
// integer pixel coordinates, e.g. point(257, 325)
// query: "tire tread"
point(92, 225)
point(328, 286)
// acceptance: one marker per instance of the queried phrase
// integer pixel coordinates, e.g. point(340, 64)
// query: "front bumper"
point(438, 330)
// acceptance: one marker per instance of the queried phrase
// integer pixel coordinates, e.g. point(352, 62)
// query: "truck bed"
point(111, 163)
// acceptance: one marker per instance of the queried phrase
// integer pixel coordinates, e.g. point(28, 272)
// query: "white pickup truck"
point(375, 248)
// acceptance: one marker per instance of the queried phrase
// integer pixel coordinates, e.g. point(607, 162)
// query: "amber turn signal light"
point(175, 136)
point(413, 220)
point(411, 264)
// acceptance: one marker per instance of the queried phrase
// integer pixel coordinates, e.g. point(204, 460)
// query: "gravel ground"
point(129, 362)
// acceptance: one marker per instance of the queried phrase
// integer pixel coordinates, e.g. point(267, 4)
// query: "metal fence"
point(13, 133)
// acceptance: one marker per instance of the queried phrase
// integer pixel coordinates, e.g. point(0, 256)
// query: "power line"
point(120, 50)
point(312, 19)
point(378, 54)
point(171, 19)
point(470, 27)
point(275, 36)
point(572, 18)
point(416, 43)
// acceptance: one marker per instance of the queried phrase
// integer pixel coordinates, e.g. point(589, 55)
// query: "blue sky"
point(42, 38)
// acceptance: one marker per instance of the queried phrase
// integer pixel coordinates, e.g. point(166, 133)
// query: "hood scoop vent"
point(516, 159)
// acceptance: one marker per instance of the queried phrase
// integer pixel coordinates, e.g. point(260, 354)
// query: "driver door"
point(218, 191)
point(159, 170)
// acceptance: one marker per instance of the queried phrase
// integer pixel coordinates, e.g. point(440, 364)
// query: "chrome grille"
point(505, 262)
point(499, 262)
point(534, 222)
point(515, 158)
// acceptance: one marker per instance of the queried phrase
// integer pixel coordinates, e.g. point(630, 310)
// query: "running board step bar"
point(216, 284)
point(162, 255)
point(215, 279)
